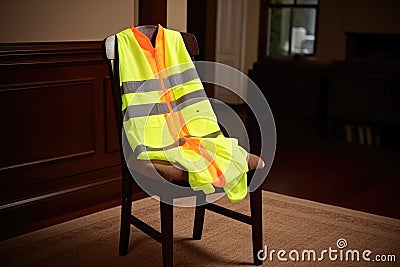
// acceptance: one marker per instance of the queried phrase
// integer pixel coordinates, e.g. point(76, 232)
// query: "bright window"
point(290, 27)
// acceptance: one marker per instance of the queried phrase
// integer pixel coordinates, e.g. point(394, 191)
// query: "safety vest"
point(169, 117)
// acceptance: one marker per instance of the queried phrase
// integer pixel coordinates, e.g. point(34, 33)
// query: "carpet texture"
point(294, 225)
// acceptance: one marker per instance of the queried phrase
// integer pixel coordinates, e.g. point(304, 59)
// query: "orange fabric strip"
point(175, 121)
point(194, 144)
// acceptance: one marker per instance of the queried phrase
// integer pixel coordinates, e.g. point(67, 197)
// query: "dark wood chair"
point(171, 174)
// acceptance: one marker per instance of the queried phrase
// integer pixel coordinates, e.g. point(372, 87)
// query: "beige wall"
point(253, 17)
point(73, 20)
point(331, 41)
point(176, 15)
point(372, 16)
point(339, 16)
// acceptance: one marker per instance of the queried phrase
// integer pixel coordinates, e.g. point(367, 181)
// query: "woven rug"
point(296, 232)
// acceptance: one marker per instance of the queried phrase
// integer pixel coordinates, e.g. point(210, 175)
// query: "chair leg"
point(167, 222)
point(256, 223)
point(126, 210)
point(199, 217)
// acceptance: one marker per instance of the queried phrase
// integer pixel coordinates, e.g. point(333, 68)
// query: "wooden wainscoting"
point(59, 148)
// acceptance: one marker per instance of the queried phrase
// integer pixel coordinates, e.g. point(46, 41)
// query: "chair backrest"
point(151, 32)
point(111, 54)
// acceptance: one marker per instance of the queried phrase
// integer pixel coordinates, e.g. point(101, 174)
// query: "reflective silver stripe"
point(161, 108)
point(144, 86)
point(180, 78)
point(189, 99)
point(155, 84)
point(145, 110)
point(142, 148)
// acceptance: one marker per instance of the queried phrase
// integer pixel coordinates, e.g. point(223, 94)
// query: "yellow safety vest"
point(169, 117)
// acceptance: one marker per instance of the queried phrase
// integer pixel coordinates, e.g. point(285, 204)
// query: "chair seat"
point(170, 172)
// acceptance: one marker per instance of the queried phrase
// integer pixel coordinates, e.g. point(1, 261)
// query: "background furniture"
point(354, 101)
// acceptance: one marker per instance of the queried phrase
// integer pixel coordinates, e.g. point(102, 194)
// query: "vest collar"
point(145, 42)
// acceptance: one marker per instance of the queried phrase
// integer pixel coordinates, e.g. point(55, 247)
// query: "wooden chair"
point(170, 174)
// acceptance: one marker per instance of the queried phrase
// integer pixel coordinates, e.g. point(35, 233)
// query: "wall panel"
point(54, 21)
point(59, 148)
point(44, 125)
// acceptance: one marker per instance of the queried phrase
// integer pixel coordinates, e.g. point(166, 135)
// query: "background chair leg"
point(167, 222)
point(256, 223)
point(199, 217)
point(126, 210)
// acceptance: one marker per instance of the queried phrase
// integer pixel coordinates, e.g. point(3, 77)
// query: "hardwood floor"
point(320, 169)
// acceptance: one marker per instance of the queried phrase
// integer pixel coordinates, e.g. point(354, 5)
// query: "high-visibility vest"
point(169, 117)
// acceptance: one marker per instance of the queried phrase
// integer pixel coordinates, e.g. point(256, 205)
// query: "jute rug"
point(295, 230)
